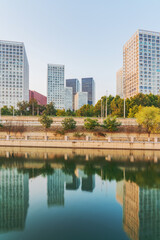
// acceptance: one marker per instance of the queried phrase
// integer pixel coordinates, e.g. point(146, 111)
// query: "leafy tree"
point(23, 108)
point(117, 106)
point(70, 113)
point(149, 117)
point(46, 121)
point(133, 111)
point(85, 111)
point(68, 124)
point(50, 109)
point(6, 111)
point(61, 112)
point(32, 106)
point(111, 124)
point(90, 124)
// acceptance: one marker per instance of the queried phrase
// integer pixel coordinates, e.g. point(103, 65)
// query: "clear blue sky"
point(87, 36)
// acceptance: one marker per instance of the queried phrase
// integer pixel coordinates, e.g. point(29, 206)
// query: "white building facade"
point(81, 98)
point(14, 73)
point(119, 82)
point(141, 63)
point(55, 85)
point(68, 98)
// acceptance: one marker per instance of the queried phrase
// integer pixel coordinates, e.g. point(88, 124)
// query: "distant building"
point(68, 98)
point(41, 99)
point(119, 82)
point(14, 73)
point(80, 99)
point(88, 85)
point(55, 85)
point(141, 64)
point(75, 85)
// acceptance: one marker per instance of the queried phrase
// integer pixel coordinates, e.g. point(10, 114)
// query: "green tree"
point(133, 111)
point(117, 106)
point(50, 109)
point(6, 111)
point(149, 117)
point(90, 124)
point(68, 124)
point(61, 113)
point(46, 121)
point(111, 124)
point(23, 108)
point(85, 111)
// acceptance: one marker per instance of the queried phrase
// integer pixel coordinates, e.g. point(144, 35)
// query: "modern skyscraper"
point(80, 99)
point(141, 63)
point(88, 85)
point(68, 98)
point(74, 83)
point(119, 82)
point(14, 73)
point(55, 85)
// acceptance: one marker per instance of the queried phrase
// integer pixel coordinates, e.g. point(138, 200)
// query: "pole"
point(124, 108)
point(101, 109)
point(106, 103)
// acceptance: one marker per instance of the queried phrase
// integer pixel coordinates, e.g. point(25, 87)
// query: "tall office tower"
point(74, 83)
point(119, 82)
point(141, 63)
point(68, 98)
point(14, 73)
point(80, 99)
point(14, 192)
point(55, 85)
point(88, 85)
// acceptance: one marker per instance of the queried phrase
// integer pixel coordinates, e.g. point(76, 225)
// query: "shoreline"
point(80, 144)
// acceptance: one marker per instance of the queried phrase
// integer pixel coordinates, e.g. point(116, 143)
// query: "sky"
point(87, 36)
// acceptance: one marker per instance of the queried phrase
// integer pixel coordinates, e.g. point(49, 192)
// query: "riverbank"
point(83, 144)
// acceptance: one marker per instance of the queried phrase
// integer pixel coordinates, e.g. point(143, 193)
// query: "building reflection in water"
point(141, 210)
point(14, 197)
point(58, 182)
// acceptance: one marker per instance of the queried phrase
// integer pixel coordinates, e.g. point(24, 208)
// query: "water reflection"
point(137, 186)
point(141, 210)
point(14, 197)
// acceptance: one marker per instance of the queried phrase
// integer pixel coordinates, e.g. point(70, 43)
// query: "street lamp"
point(106, 102)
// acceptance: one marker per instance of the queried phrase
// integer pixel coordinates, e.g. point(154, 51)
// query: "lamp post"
point(106, 102)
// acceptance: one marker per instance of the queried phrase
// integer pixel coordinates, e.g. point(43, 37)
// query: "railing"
point(84, 138)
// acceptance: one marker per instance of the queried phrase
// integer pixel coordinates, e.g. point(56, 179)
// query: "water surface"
point(72, 194)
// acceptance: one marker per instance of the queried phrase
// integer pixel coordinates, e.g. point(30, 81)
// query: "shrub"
point(46, 121)
point(68, 124)
point(111, 124)
point(90, 124)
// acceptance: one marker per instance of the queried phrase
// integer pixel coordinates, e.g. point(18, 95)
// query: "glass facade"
point(75, 85)
point(141, 63)
point(55, 85)
point(88, 85)
point(14, 74)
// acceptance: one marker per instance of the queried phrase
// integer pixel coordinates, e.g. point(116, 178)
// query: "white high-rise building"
point(119, 82)
point(141, 64)
point(68, 98)
point(14, 73)
point(81, 98)
point(55, 85)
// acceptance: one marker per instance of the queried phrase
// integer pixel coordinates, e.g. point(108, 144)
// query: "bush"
point(69, 124)
point(149, 117)
point(111, 124)
point(90, 124)
point(46, 121)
